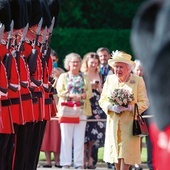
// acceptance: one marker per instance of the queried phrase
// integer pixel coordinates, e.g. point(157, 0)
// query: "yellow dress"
point(119, 141)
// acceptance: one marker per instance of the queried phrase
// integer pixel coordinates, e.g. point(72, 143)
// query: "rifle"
point(2, 28)
point(43, 60)
point(8, 46)
point(20, 47)
point(8, 57)
point(43, 42)
point(38, 33)
point(47, 50)
point(51, 30)
point(32, 61)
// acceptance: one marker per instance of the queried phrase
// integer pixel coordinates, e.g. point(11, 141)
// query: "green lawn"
point(100, 153)
point(143, 154)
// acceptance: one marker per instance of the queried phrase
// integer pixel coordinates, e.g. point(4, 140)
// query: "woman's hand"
point(97, 86)
point(77, 97)
point(119, 109)
point(94, 86)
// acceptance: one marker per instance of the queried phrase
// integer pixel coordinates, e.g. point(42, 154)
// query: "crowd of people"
point(33, 87)
point(90, 80)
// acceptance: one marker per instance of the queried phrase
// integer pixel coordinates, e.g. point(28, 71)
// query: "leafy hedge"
point(82, 41)
point(98, 14)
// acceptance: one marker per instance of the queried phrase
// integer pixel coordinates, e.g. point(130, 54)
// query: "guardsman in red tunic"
point(6, 125)
point(6, 134)
point(14, 96)
point(54, 7)
point(36, 73)
point(6, 129)
point(6, 118)
point(19, 15)
point(14, 89)
point(46, 83)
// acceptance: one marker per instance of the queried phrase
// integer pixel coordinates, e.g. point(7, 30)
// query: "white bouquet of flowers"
point(121, 97)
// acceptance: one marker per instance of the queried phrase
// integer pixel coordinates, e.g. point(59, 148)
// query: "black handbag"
point(139, 126)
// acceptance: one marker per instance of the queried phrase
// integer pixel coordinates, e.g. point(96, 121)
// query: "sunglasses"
point(94, 56)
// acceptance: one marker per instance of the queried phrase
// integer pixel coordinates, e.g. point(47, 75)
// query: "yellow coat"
point(62, 93)
point(130, 145)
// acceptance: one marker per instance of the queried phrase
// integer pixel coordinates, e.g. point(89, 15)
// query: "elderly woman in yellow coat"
point(121, 147)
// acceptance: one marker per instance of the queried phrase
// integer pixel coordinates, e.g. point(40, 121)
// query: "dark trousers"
point(30, 126)
point(36, 140)
point(9, 152)
point(20, 147)
point(149, 147)
point(95, 157)
point(6, 151)
point(4, 138)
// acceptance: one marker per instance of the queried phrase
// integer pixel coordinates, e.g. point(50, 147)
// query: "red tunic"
point(15, 96)
point(48, 100)
point(161, 146)
point(53, 105)
point(26, 95)
point(38, 93)
point(6, 124)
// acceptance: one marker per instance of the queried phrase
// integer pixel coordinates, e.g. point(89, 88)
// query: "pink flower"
point(121, 97)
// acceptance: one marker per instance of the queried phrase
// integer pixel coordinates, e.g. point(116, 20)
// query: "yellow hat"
point(122, 57)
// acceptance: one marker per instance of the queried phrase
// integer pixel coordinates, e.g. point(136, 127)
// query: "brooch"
point(132, 81)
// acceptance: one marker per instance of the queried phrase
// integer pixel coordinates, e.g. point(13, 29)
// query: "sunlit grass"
point(100, 153)
point(143, 154)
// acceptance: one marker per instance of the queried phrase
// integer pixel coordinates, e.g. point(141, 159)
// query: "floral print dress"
point(75, 84)
point(95, 131)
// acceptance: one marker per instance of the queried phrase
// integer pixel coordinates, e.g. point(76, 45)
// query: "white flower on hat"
point(116, 53)
point(122, 57)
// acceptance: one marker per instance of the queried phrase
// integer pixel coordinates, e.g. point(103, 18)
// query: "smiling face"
point(74, 64)
point(104, 57)
point(92, 63)
point(121, 70)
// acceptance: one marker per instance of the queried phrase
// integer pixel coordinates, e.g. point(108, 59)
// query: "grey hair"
point(69, 57)
point(138, 62)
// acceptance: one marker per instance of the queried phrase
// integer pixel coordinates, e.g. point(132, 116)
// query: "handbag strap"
point(136, 110)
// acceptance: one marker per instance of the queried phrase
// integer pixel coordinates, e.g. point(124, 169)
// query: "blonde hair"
point(86, 57)
point(69, 57)
point(60, 69)
point(57, 72)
